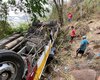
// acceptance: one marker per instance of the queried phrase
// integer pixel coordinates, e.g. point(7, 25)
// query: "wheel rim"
point(8, 71)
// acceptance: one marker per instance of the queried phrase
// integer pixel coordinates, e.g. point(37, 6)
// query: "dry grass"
point(67, 61)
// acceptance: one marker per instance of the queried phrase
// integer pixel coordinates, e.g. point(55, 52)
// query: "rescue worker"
point(83, 46)
point(51, 35)
point(70, 17)
point(72, 34)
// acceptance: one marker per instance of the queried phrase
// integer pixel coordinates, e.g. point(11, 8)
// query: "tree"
point(35, 8)
point(59, 5)
point(4, 25)
point(3, 11)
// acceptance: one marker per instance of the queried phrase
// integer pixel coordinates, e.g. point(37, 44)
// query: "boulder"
point(84, 74)
point(90, 54)
point(98, 78)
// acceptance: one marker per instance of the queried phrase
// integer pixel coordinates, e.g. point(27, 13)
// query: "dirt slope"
point(69, 68)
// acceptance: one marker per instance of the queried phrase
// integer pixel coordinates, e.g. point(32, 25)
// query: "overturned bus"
point(24, 56)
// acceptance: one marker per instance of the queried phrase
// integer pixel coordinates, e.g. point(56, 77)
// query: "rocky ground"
point(66, 67)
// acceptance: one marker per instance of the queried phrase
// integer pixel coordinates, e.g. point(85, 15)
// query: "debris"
point(49, 78)
point(49, 68)
point(56, 70)
point(77, 64)
point(66, 69)
point(14, 42)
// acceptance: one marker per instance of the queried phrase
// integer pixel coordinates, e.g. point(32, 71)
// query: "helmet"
point(84, 37)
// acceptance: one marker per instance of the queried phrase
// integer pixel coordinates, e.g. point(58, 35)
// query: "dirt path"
point(67, 66)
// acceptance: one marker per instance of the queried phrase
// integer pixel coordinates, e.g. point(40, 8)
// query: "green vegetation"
point(54, 14)
point(6, 29)
point(80, 10)
point(21, 28)
point(85, 9)
point(35, 8)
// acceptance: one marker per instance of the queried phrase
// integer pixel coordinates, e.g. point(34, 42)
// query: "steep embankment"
point(87, 22)
point(86, 68)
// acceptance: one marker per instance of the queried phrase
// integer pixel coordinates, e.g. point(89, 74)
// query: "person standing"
point(51, 34)
point(83, 46)
point(70, 17)
point(72, 34)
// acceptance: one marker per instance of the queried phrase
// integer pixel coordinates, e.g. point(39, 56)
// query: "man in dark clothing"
point(83, 46)
point(51, 35)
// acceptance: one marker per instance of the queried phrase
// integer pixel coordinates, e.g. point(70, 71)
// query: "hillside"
point(65, 66)
point(84, 9)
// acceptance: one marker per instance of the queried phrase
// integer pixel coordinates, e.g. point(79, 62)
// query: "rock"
point(96, 46)
point(85, 74)
point(90, 22)
point(90, 54)
point(97, 32)
point(97, 42)
point(97, 56)
point(98, 78)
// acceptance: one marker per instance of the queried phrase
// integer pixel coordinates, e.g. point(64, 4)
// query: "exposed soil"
point(67, 64)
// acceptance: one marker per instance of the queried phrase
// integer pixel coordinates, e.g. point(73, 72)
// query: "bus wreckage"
point(23, 57)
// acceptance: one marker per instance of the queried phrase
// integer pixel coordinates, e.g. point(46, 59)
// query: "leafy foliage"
point(3, 11)
point(5, 29)
point(21, 28)
point(59, 5)
point(36, 8)
point(33, 7)
point(54, 14)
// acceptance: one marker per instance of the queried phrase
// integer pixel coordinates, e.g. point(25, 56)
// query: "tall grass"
point(89, 7)
point(54, 14)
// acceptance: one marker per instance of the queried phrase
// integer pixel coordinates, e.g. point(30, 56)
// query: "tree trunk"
point(59, 6)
